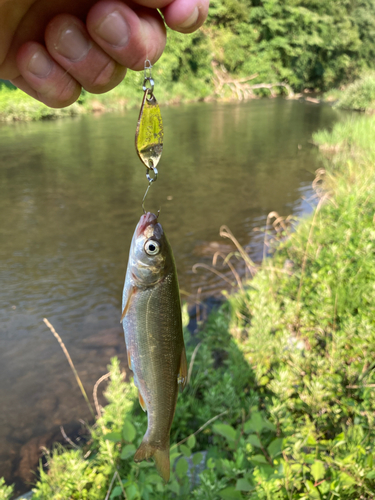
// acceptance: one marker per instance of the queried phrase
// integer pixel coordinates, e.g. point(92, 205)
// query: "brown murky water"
point(70, 195)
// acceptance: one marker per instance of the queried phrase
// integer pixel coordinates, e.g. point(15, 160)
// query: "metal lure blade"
point(150, 132)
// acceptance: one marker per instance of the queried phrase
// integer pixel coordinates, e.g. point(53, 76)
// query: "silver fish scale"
point(153, 333)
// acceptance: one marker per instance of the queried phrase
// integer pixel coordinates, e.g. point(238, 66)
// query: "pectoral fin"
point(182, 374)
point(129, 361)
point(127, 305)
point(142, 401)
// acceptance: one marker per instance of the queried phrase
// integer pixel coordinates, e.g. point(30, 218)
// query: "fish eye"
point(152, 247)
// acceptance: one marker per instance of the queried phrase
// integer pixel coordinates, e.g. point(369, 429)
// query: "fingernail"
point(114, 29)
point(191, 20)
point(40, 64)
point(73, 44)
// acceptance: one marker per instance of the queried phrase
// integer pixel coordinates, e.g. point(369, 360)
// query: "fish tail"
point(161, 457)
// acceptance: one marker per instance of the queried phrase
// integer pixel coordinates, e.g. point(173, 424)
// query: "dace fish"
point(153, 334)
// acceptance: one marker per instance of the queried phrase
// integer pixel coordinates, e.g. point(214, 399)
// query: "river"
point(70, 197)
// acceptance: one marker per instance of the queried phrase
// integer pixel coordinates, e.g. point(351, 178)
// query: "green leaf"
point(268, 425)
point(128, 431)
point(132, 492)
point(258, 459)
point(346, 480)
point(254, 440)
point(197, 458)
point(154, 478)
point(311, 441)
point(211, 463)
point(113, 436)
point(173, 455)
point(318, 471)
point(255, 424)
point(127, 451)
point(174, 487)
point(191, 441)
point(226, 431)
point(182, 467)
point(266, 470)
point(313, 492)
point(243, 485)
point(116, 492)
point(275, 447)
point(185, 450)
point(230, 493)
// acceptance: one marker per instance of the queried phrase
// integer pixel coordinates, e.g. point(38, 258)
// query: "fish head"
point(149, 252)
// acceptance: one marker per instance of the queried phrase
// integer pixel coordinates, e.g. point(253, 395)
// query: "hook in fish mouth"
point(146, 220)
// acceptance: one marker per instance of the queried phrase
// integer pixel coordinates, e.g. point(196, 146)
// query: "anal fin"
point(182, 374)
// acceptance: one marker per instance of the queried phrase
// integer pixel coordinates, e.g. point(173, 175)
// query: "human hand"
point(52, 48)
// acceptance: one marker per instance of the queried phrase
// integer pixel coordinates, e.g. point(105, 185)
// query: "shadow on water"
point(70, 197)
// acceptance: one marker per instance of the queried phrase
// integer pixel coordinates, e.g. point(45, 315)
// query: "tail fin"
point(161, 457)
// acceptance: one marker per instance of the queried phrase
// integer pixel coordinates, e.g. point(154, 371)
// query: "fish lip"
point(146, 220)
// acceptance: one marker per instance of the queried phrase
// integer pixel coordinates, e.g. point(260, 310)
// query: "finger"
point(70, 45)
point(186, 16)
point(129, 36)
point(43, 79)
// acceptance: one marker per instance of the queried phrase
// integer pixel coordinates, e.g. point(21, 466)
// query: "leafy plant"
point(360, 95)
point(5, 491)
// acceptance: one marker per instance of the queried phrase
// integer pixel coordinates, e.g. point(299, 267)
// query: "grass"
point(280, 403)
point(352, 138)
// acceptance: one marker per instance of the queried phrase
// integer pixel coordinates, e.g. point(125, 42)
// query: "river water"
point(70, 196)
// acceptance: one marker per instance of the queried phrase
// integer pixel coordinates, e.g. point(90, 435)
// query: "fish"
point(152, 323)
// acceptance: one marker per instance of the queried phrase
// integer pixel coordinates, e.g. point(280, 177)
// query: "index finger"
point(185, 16)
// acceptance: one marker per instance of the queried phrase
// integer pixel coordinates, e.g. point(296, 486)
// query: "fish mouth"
point(146, 220)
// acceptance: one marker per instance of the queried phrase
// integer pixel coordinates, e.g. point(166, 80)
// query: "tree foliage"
point(313, 44)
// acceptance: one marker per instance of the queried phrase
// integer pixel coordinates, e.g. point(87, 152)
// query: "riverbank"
point(280, 401)
point(15, 105)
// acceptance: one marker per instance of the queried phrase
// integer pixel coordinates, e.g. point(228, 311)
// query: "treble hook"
point(150, 181)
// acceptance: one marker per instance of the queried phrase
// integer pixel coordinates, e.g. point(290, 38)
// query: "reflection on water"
point(70, 195)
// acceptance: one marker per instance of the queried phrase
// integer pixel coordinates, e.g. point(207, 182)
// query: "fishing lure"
point(149, 135)
point(151, 304)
